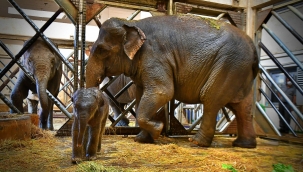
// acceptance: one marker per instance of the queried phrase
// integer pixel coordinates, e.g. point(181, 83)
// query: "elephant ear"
point(133, 40)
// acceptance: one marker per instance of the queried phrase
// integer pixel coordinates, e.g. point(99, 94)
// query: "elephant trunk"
point(94, 73)
point(82, 122)
point(42, 74)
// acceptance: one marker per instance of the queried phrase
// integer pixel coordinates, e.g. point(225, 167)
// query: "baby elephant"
point(91, 112)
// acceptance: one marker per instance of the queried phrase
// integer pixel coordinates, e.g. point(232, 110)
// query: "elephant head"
point(43, 64)
point(117, 44)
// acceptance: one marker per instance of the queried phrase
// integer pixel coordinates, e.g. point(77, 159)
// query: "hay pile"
point(49, 153)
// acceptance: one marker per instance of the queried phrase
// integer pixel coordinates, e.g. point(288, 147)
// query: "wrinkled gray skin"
point(46, 68)
point(91, 112)
point(187, 58)
point(125, 98)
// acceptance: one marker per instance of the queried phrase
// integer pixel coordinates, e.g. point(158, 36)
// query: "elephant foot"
point(50, 127)
point(155, 133)
point(245, 143)
point(91, 158)
point(123, 122)
point(199, 140)
point(76, 160)
point(43, 126)
point(144, 137)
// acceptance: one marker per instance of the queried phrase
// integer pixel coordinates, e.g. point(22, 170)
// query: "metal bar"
point(69, 9)
point(123, 113)
point(131, 17)
point(47, 41)
point(277, 111)
point(281, 92)
point(273, 92)
point(267, 118)
point(7, 80)
point(194, 124)
point(123, 89)
point(226, 114)
point(288, 27)
point(9, 104)
point(83, 37)
point(280, 67)
point(220, 16)
point(283, 46)
point(27, 44)
point(297, 12)
point(97, 21)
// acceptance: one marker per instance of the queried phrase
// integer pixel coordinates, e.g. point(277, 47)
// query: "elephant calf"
point(91, 112)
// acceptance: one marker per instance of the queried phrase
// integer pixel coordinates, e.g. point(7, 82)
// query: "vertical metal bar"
point(283, 46)
point(281, 92)
point(47, 41)
point(28, 43)
point(277, 111)
point(170, 7)
point(297, 12)
point(288, 27)
point(273, 92)
point(280, 67)
point(82, 20)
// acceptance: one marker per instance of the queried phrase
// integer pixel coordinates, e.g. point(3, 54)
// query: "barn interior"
point(275, 26)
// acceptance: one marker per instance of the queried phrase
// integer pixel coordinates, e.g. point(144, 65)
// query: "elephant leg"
point(32, 106)
point(246, 137)
point(93, 140)
point(50, 125)
point(19, 93)
point(205, 134)
point(76, 151)
point(102, 130)
point(149, 104)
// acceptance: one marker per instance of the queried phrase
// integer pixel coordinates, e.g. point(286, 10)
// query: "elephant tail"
point(255, 65)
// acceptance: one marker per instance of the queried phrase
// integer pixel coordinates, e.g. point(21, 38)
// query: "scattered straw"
point(50, 153)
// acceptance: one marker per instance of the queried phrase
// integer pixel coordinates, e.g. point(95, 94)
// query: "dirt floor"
point(46, 152)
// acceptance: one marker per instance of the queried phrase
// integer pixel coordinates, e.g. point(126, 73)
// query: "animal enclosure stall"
point(68, 29)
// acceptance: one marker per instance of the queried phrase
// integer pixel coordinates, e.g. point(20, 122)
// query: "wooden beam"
point(127, 6)
point(62, 43)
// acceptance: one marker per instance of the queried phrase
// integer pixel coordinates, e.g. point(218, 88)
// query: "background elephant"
point(188, 58)
point(91, 112)
point(127, 96)
point(46, 68)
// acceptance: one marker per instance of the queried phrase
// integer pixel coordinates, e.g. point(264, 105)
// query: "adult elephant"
point(188, 58)
point(125, 98)
point(46, 68)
